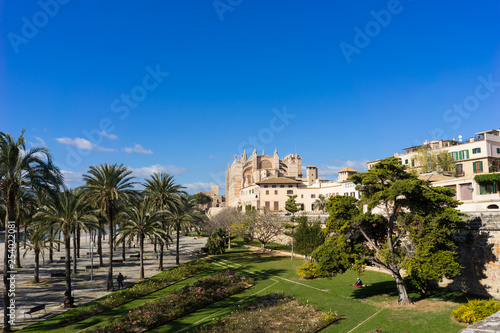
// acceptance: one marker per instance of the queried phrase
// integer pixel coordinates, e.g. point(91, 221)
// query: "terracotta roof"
point(348, 170)
point(278, 180)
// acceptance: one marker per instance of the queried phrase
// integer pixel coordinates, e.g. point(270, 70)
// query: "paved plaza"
point(51, 291)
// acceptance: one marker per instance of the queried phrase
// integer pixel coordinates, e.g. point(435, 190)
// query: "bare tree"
point(265, 227)
point(226, 219)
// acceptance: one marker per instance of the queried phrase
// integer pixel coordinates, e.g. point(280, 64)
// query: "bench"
point(64, 258)
point(94, 253)
point(118, 260)
point(57, 275)
point(135, 256)
point(35, 309)
point(91, 267)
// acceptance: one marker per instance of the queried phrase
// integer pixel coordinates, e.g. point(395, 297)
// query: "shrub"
point(138, 290)
point(216, 242)
point(177, 303)
point(307, 271)
point(476, 310)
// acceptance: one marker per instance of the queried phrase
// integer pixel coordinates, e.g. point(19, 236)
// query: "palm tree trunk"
point(123, 249)
point(9, 220)
point(51, 250)
point(177, 252)
point(24, 235)
point(229, 239)
point(156, 241)
point(59, 242)
point(160, 265)
point(37, 265)
point(141, 254)
point(78, 241)
point(109, 213)
point(68, 299)
point(18, 253)
point(99, 244)
point(74, 252)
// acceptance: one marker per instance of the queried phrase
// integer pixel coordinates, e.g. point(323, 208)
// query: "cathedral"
point(247, 171)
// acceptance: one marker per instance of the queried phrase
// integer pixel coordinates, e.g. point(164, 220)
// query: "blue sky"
point(183, 86)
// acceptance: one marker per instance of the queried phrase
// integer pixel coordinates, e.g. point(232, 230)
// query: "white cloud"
point(197, 187)
point(82, 144)
point(148, 171)
point(211, 156)
point(138, 149)
point(72, 179)
point(109, 136)
point(40, 140)
point(330, 170)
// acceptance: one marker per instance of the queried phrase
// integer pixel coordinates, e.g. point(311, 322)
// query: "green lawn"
point(353, 305)
point(369, 307)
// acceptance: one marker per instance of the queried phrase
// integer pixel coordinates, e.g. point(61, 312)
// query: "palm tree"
point(108, 185)
point(20, 168)
point(65, 212)
point(183, 216)
point(164, 192)
point(141, 220)
point(320, 203)
point(38, 239)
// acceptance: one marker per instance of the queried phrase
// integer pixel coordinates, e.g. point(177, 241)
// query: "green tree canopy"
point(400, 223)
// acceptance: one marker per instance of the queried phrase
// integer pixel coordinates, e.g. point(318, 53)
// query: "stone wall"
point(480, 255)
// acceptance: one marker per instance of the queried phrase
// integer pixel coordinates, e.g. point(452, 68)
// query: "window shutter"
point(481, 166)
point(474, 167)
point(467, 153)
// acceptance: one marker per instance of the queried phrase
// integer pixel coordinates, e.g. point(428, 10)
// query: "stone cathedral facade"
point(246, 171)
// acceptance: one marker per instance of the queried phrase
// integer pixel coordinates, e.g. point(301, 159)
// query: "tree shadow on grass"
point(387, 288)
point(247, 257)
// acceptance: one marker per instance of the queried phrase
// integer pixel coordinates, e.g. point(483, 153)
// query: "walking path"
point(51, 292)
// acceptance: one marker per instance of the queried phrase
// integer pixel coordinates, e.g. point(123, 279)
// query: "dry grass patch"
point(274, 312)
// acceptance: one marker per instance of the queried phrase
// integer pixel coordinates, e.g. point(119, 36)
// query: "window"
point(267, 205)
point(498, 150)
point(461, 155)
point(275, 192)
point(282, 186)
point(460, 169)
point(276, 205)
point(412, 162)
point(476, 150)
point(289, 192)
point(406, 161)
point(477, 167)
point(290, 186)
point(266, 186)
point(274, 186)
point(487, 188)
point(267, 192)
point(313, 196)
point(302, 196)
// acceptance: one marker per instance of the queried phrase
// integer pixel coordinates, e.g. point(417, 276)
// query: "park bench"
point(57, 275)
point(94, 253)
point(135, 256)
point(34, 309)
point(64, 258)
point(91, 267)
point(118, 260)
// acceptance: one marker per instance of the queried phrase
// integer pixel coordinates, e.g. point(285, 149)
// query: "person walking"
point(120, 280)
